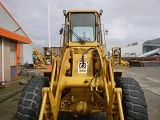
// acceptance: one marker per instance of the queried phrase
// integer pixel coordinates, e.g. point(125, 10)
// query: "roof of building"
point(154, 41)
point(10, 29)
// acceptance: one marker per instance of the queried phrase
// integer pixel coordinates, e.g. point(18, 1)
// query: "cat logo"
point(82, 67)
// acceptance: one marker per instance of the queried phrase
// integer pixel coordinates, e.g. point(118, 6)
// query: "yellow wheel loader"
point(82, 83)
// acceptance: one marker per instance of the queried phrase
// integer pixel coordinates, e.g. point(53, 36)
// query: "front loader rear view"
point(82, 80)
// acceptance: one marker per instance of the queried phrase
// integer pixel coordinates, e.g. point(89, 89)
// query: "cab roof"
point(77, 11)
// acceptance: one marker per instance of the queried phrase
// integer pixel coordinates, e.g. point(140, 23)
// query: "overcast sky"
point(127, 21)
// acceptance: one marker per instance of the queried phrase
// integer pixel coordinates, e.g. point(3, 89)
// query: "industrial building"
point(12, 37)
point(137, 49)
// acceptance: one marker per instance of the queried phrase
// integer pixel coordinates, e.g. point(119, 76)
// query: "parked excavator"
point(39, 61)
point(82, 80)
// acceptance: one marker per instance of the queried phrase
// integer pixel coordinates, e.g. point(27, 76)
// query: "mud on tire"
point(133, 100)
point(31, 98)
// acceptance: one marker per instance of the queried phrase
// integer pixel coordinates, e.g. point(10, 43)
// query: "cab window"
point(82, 27)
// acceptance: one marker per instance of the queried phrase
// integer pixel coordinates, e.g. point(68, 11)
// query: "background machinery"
point(82, 80)
point(38, 59)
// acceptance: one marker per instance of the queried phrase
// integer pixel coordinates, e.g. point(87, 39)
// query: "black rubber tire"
point(133, 99)
point(31, 98)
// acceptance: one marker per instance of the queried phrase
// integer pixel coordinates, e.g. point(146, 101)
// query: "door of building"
point(13, 65)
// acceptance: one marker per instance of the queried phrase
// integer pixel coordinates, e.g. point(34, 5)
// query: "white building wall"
point(7, 22)
point(26, 53)
point(137, 49)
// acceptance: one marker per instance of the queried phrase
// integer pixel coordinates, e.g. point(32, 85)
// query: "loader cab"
point(82, 28)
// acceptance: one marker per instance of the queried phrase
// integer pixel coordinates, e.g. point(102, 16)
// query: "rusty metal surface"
point(144, 63)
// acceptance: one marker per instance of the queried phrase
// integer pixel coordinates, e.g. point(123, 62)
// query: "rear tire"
point(133, 100)
point(31, 98)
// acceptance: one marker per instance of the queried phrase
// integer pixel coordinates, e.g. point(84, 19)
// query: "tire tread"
point(133, 99)
point(30, 100)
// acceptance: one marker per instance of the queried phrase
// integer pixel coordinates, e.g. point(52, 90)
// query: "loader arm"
point(92, 83)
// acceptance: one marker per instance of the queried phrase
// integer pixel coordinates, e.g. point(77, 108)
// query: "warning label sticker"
point(82, 67)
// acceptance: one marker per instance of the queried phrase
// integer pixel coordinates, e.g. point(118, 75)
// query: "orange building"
point(11, 38)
